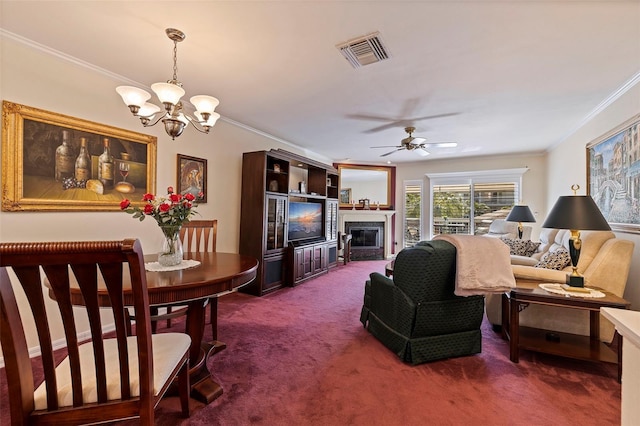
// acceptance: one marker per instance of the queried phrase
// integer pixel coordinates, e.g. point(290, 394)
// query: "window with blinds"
point(467, 203)
point(412, 223)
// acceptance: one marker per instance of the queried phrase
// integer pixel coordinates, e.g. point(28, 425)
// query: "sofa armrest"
point(521, 272)
point(523, 260)
point(391, 305)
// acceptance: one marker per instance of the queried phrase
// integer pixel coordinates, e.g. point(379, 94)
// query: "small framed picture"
point(366, 205)
point(345, 196)
point(192, 177)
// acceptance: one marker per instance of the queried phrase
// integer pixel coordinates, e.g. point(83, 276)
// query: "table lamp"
point(575, 213)
point(520, 214)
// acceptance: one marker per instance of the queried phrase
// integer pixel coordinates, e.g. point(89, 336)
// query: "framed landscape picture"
point(613, 175)
point(192, 177)
point(345, 196)
point(53, 162)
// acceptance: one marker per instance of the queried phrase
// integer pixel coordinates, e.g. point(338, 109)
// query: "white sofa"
point(604, 262)
point(500, 228)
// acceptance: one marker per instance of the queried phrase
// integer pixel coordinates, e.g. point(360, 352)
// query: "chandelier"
point(174, 118)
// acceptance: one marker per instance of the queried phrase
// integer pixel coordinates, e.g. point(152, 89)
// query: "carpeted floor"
point(301, 357)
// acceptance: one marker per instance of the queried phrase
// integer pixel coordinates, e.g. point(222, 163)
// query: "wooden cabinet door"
point(298, 265)
point(276, 216)
point(319, 259)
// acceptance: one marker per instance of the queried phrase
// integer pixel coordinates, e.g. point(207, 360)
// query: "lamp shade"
point(520, 214)
point(578, 212)
point(133, 96)
point(168, 92)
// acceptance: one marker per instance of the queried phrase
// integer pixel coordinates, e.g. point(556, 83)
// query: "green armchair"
point(416, 314)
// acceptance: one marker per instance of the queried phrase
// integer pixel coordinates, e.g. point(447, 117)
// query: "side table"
point(388, 268)
point(588, 348)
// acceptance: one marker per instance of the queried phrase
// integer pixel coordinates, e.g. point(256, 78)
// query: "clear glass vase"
point(171, 250)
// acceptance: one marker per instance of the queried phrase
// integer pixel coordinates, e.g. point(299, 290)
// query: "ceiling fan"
point(406, 118)
point(416, 145)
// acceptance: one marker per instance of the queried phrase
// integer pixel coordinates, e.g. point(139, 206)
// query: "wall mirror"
point(375, 183)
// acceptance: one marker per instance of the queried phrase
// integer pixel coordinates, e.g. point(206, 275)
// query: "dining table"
point(216, 274)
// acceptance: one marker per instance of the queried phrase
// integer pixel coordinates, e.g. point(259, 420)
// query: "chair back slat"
point(16, 353)
point(113, 274)
point(93, 265)
point(87, 274)
point(199, 236)
point(30, 278)
point(58, 276)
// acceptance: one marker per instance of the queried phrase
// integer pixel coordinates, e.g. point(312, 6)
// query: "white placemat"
point(156, 267)
point(560, 289)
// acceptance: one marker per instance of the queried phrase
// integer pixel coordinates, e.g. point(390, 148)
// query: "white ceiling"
point(509, 76)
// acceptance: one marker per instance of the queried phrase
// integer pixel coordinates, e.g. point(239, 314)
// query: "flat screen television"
point(305, 220)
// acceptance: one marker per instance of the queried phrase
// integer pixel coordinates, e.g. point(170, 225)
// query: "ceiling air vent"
point(364, 50)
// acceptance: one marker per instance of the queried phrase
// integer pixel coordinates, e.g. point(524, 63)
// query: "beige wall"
point(567, 165)
point(38, 79)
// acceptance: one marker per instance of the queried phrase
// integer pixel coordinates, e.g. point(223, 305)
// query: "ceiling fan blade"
point(370, 117)
point(389, 153)
point(421, 152)
point(392, 125)
point(429, 117)
point(386, 146)
point(440, 144)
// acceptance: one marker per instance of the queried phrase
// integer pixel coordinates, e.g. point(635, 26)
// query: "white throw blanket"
point(483, 265)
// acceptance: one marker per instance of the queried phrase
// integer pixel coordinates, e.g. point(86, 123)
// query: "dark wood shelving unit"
point(270, 180)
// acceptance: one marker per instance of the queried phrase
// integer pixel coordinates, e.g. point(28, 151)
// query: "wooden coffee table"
point(588, 348)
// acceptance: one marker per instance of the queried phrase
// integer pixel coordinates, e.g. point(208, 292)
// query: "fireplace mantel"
point(385, 216)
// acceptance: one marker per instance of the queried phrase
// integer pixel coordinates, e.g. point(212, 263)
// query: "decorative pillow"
point(521, 247)
point(557, 259)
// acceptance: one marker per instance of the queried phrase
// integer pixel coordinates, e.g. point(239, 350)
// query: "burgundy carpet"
point(301, 357)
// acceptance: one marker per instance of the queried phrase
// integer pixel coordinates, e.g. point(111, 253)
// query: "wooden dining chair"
point(105, 378)
point(198, 236)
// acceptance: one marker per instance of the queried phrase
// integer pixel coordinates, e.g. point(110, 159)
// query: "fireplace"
point(380, 218)
point(367, 241)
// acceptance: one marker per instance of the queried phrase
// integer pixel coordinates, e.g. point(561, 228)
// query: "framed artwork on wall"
point(54, 162)
point(192, 177)
point(613, 175)
point(345, 196)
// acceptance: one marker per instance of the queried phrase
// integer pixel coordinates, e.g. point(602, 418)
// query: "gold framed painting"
point(54, 162)
point(192, 177)
point(613, 175)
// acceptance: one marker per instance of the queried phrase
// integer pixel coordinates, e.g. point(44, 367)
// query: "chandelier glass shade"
point(173, 116)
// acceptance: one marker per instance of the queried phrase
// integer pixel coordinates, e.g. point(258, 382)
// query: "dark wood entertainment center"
point(271, 181)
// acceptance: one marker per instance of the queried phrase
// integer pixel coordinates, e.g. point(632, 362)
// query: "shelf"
point(314, 196)
point(569, 345)
point(271, 171)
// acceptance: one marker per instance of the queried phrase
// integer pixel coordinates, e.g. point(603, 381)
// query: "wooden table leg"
point(504, 307)
point(618, 338)
point(594, 325)
point(514, 329)
point(203, 388)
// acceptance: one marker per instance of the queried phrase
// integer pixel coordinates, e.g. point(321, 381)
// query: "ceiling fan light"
point(168, 93)
point(133, 96)
point(204, 103)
